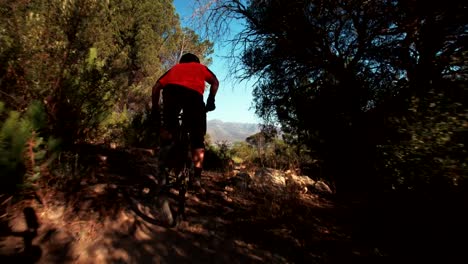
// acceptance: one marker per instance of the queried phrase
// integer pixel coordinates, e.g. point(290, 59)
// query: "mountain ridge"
point(230, 132)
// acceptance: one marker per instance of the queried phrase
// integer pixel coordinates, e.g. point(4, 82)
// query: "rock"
point(322, 187)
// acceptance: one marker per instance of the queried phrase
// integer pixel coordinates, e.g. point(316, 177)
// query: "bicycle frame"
point(183, 165)
point(178, 164)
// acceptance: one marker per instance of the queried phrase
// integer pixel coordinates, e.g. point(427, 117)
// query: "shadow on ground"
point(112, 216)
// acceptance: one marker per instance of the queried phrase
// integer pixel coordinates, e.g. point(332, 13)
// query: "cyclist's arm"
point(156, 92)
point(214, 85)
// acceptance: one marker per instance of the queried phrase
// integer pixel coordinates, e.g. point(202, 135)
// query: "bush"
point(217, 157)
point(432, 155)
point(24, 152)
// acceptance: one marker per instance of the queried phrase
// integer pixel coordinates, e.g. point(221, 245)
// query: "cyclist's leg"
point(172, 105)
point(171, 110)
point(197, 135)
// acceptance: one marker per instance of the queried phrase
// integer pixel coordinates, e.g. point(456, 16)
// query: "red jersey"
point(191, 75)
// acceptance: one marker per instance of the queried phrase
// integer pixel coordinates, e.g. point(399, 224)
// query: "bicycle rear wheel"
point(177, 176)
point(182, 186)
point(152, 204)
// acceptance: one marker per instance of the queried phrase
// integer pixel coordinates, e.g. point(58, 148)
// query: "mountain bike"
point(179, 170)
point(183, 169)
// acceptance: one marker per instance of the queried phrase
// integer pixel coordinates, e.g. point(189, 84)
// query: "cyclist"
point(182, 88)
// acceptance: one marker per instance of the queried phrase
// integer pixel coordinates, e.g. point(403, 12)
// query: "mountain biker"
point(182, 88)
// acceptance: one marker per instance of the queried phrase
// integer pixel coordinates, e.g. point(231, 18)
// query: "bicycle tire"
point(143, 204)
point(183, 179)
point(181, 170)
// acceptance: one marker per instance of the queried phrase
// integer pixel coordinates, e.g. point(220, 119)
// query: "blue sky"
point(234, 99)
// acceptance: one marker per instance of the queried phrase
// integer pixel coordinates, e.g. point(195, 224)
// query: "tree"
point(326, 68)
point(87, 58)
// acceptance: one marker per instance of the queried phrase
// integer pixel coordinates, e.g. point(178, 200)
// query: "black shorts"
point(177, 98)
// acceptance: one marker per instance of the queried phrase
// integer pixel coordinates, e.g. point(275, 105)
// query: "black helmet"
point(189, 57)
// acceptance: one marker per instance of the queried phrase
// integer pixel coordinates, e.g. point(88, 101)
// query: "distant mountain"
point(230, 131)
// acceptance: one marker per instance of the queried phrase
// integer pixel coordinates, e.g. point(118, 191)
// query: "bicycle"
point(180, 169)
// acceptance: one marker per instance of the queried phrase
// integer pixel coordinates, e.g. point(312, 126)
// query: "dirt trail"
point(109, 217)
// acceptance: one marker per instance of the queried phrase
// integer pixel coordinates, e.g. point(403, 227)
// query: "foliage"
point(112, 129)
point(24, 152)
point(92, 64)
point(271, 150)
point(88, 58)
point(244, 153)
point(217, 156)
point(431, 153)
point(267, 149)
point(142, 131)
point(359, 59)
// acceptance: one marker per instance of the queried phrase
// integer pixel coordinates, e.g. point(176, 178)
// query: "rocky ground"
point(249, 216)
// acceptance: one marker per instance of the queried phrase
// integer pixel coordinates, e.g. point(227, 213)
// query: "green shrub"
point(431, 154)
point(217, 156)
point(24, 151)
